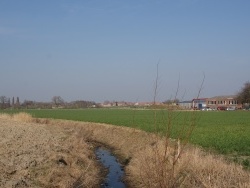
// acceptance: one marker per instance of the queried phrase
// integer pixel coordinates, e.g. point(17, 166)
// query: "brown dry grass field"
point(60, 153)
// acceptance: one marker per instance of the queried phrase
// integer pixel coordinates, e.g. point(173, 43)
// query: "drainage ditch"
point(115, 169)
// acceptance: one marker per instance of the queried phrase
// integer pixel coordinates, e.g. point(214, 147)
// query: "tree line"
point(56, 102)
point(243, 97)
point(6, 103)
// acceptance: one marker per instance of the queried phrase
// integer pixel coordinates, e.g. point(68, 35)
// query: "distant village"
point(214, 103)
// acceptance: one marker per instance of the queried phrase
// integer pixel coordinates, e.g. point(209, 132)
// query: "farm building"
point(223, 102)
point(218, 103)
point(185, 104)
point(199, 103)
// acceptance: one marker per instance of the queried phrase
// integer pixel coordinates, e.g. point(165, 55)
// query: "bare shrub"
point(163, 169)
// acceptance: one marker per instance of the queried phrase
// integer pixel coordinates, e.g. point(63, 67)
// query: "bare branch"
point(177, 89)
point(201, 86)
point(156, 81)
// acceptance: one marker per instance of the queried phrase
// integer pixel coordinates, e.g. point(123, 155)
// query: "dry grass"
point(193, 169)
point(81, 170)
point(149, 161)
point(39, 155)
point(5, 116)
point(147, 164)
point(22, 117)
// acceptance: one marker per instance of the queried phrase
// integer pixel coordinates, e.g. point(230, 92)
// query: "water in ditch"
point(115, 169)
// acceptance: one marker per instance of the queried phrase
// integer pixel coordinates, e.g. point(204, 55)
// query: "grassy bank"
point(150, 161)
point(227, 132)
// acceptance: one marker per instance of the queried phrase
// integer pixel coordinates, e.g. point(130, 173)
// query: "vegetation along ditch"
point(224, 132)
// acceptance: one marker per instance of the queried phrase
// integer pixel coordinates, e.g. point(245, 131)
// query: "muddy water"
point(115, 170)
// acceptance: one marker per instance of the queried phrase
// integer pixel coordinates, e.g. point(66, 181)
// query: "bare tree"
point(244, 94)
point(8, 103)
point(169, 101)
point(57, 100)
point(156, 82)
point(28, 104)
point(13, 102)
point(17, 102)
point(3, 102)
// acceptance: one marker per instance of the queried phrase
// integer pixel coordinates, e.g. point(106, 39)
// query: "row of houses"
point(218, 102)
point(128, 104)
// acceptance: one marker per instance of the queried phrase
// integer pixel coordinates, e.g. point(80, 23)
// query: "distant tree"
point(3, 99)
point(3, 102)
point(57, 100)
point(244, 94)
point(17, 102)
point(175, 101)
point(28, 104)
point(8, 103)
point(106, 102)
point(13, 102)
point(80, 104)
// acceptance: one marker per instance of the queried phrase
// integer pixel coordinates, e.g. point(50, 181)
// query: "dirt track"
point(36, 155)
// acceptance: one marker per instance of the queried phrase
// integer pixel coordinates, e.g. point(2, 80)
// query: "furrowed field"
point(225, 132)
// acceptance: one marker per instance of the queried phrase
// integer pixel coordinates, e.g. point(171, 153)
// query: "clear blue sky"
point(108, 49)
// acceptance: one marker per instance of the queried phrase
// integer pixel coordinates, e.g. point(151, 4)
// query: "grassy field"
point(227, 132)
